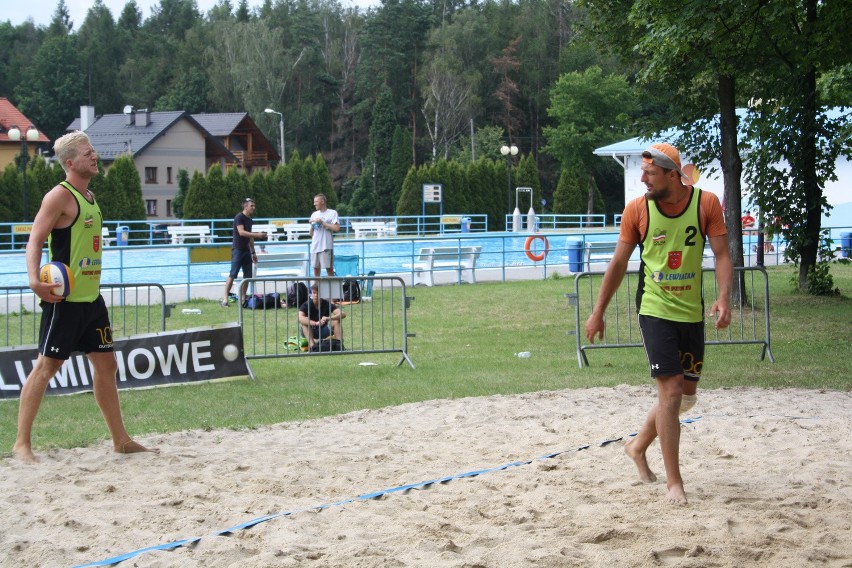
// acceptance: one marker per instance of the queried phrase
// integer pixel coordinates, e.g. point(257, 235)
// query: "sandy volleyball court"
point(768, 475)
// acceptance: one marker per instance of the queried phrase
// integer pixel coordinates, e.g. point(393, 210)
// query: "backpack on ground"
point(327, 345)
point(297, 294)
point(351, 291)
point(261, 302)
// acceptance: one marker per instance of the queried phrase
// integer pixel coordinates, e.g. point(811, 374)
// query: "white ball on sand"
point(230, 352)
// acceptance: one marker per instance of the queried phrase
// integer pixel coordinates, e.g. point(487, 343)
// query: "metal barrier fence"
point(133, 309)
point(376, 324)
point(749, 319)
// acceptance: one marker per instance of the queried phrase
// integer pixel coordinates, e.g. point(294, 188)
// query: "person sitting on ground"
point(316, 315)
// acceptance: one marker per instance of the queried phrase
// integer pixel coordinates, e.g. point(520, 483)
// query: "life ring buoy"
point(528, 248)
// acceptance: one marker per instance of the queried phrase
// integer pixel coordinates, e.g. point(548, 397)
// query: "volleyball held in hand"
point(58, 273)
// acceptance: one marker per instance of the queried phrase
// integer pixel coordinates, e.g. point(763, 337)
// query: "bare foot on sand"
point(645, 473)
point(676, 495)
point(24, 455)
point(133, 447)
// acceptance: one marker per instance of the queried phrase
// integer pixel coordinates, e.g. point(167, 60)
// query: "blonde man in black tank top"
point(71, 218)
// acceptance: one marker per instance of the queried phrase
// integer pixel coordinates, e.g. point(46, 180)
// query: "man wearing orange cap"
point(670, 224)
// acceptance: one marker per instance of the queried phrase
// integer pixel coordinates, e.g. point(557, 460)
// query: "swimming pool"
point(166, 264)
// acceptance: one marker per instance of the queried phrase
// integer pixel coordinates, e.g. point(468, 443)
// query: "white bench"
point(179, 233)
point(296, 230)
point(461, 259)
point(598, 251)
point(270, 230)
point(603, 251)
point(378, 228)
point(108, 241)
point(281, 264)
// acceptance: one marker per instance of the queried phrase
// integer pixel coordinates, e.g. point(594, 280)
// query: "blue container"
point(465, 224)
point(122, 235)
point(846, 245)
point(575, 254)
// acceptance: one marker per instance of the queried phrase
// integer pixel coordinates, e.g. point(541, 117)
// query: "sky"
point(41, 11)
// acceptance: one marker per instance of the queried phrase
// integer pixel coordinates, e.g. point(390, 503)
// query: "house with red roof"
point(30, 138)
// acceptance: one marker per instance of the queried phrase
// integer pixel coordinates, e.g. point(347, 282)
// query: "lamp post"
point(510, 152)
point(280, 131)
point(15, 134)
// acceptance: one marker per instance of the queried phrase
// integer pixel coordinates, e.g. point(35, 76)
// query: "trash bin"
point(465, 224)
point(122, 235)
point(575, 255)
point(846, 245)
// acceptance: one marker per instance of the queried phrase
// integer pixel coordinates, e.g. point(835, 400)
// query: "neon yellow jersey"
point(671, 254)
point(80, 246)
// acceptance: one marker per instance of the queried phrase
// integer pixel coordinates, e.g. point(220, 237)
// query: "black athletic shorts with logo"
point(74, 326)
point(673, 347)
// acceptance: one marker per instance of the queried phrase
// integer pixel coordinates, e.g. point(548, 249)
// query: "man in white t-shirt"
point(324, 224)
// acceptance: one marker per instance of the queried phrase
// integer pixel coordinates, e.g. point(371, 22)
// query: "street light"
point(280, 131)
point(32, 136)
point(510, 152)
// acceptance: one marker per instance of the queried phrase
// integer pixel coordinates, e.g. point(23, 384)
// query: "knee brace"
point(687, 401)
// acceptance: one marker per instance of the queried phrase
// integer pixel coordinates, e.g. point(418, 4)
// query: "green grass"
point(465, 344)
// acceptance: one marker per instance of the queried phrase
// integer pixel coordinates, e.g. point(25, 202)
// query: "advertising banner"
point(147, 360)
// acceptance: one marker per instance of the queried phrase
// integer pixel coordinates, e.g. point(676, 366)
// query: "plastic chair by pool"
point(346, 265)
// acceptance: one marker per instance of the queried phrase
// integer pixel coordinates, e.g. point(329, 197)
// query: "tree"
point(324, 184)
point(60, 24)
point(375, 192)
point(52, 90)
point(102, 54)
point(121, 196)
point(400, 161)
point(220, 198)
point(776, 52)
point(410, 198)
point(188, 92)
point(303, 189)
point(236, 186)
point(180, 196)
point(392, 47)
point(341, 63)
point(794, 140)
point(258, 188)
point(590, 110)
point(9, 184)
point(252, 68)
point(570, 195)
point(19, 43)
point(281, 199)
point(41, 178)
point(487, 141)
point(448, 100)
point(507, 65)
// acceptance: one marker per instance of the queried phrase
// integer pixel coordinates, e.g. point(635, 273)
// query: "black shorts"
point(74, 326)
point(673, 347)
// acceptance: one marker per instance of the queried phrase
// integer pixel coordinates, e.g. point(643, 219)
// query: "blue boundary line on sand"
point(363, 497)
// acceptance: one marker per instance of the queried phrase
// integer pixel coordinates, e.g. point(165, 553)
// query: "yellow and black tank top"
point(80, 246)
point(671, 254)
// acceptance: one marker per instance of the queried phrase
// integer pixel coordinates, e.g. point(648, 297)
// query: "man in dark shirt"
point(316, 315)
point(242, 249)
